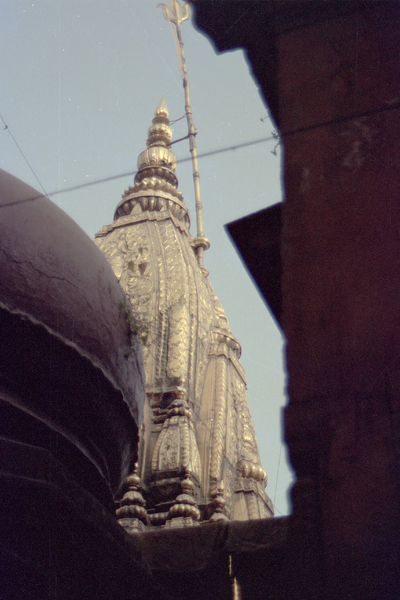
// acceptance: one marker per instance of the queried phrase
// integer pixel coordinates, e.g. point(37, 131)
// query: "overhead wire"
point(6, 128)
point(273, 137)
point(176, 120)
point(133, 173)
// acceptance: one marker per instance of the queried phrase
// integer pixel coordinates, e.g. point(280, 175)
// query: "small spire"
point(184, 511)
point(162, 109)
point(219, 504)
point(132, 514)
point(160, 133)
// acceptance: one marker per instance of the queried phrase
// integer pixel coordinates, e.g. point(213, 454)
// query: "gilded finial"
point(184, 510)
point(162, 109)
point(160, 133)
point(174, 15)
point(219, 504)
point(132, 514)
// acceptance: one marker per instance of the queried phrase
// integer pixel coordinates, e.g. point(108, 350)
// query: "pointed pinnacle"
point(162, 109)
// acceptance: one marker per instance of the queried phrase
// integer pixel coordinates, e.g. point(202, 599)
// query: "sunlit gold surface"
point(197, 425)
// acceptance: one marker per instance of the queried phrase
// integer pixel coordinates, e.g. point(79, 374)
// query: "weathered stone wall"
point(341, 283)
point(333, 91)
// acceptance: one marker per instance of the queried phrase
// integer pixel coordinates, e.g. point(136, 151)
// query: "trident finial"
point(176, 17)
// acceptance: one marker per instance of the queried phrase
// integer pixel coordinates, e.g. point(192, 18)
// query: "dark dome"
point(66, 358)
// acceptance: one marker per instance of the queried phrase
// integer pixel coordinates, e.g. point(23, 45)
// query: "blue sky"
point(81, 80)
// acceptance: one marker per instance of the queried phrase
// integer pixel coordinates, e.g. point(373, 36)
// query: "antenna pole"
point(201, 243)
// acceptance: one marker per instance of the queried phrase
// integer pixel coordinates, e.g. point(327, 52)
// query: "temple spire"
point(198, 455)
point(160, 133)
point(175, 16)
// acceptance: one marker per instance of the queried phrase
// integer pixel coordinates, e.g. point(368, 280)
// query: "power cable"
point(6, 127)
point(367, 113)
point(285, 134)
point(176, 120)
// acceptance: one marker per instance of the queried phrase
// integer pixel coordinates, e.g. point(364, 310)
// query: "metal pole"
point(176, 17)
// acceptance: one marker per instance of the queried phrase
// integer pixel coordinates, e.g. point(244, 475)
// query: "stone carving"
point(219, 425)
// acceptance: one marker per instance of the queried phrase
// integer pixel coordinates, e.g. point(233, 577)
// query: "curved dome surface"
point(67, 357)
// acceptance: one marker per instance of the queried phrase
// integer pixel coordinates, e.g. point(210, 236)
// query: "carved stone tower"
point(198, 454)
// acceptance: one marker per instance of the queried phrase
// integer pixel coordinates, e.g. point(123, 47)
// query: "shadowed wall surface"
point(330, 75)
